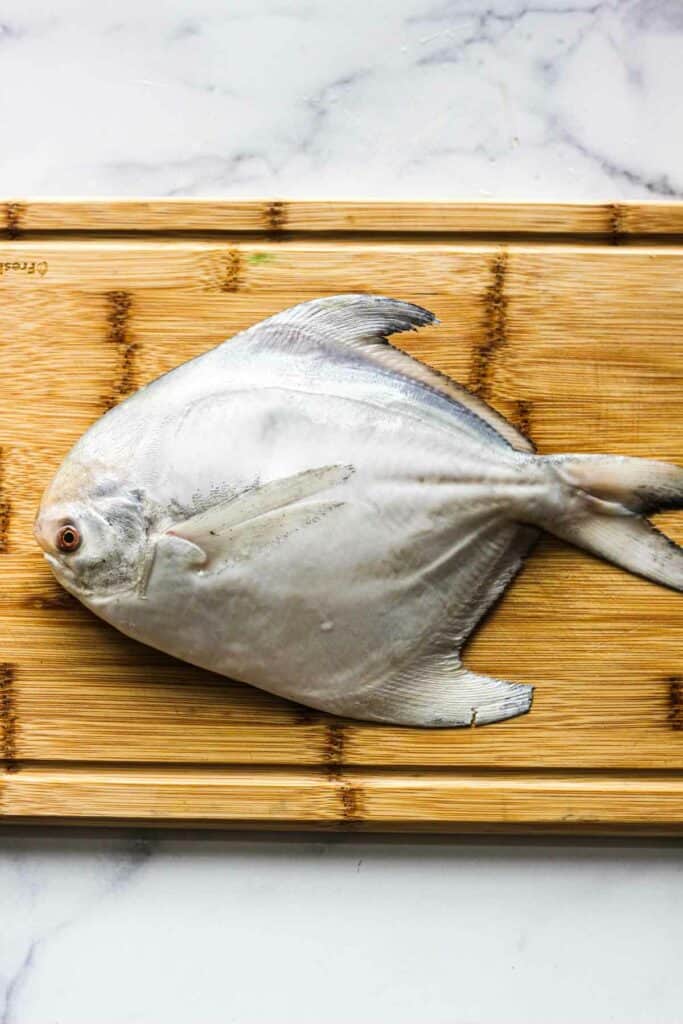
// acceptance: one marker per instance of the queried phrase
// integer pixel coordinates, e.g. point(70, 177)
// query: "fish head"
point(93, 530)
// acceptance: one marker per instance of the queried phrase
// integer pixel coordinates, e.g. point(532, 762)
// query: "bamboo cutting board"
point(568, 319)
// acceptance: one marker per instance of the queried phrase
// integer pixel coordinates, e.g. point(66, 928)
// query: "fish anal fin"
point(439, 692)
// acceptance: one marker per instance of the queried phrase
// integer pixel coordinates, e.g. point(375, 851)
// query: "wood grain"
point(549, 312)
point(617, 222)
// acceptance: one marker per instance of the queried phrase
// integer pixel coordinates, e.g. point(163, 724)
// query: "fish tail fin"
point(606, 508)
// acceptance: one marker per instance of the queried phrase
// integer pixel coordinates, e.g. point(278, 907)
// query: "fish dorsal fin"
point(363, 322)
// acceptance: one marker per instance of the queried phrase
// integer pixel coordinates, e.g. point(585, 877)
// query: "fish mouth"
point(64, 575)
point(58, 568)
point(47, 548)
point(39, 535)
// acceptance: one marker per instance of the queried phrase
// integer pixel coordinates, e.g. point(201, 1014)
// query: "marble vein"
point(124, 862)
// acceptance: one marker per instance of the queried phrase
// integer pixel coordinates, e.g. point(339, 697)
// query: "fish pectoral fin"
point(241, 542)
point(235, 529)
point(440, 692)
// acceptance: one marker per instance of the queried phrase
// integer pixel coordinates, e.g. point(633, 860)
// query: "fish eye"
point(68, 538)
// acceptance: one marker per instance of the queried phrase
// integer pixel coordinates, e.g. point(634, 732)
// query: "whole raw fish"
point(310, 510)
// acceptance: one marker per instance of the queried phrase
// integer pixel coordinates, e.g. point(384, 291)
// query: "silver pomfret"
point(309, 510)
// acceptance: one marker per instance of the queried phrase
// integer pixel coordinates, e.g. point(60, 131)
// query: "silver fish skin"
point(308, 509)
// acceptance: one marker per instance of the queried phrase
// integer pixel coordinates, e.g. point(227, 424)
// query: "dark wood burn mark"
point(351, 803)
point(307, 716)
point(275, 216)
point(349, 795)
point(334, 748)
point(119, 305)
point(616, 226)
point(522, 416)
point(8, 716)
point(232, 274)
point(14, 213)
point(5, 506)
point(675, 716)
point(495, 330)
point(49, 602)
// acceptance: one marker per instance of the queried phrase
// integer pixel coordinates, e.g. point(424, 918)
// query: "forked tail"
point(601, 506)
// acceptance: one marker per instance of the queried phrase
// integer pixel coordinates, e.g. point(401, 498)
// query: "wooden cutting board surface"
point(568, 319)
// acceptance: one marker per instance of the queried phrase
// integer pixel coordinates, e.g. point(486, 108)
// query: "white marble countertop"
point(577, 100)
point(385, 98)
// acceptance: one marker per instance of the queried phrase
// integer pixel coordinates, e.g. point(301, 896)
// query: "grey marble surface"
point(573, 100)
